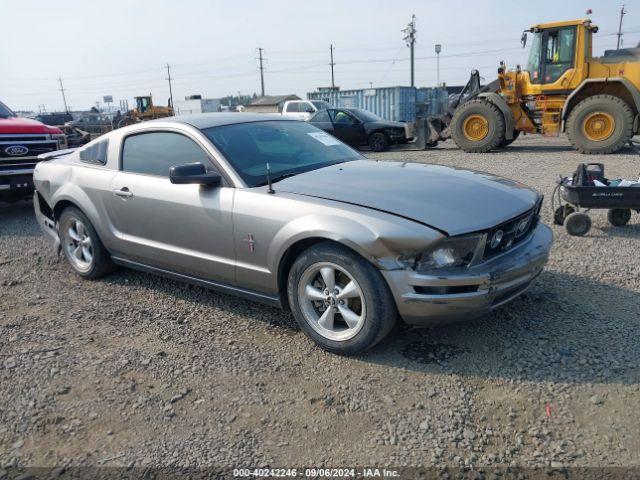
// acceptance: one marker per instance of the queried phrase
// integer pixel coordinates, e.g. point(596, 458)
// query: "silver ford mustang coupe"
point(281, 212)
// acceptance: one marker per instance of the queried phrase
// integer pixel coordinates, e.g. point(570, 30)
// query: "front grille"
point(32, 149)
point(513, 232)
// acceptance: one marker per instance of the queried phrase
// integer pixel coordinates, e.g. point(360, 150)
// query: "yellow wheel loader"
point(145, 110)
point(563, 88)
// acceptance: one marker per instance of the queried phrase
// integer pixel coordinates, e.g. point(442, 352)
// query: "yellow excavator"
point(563, 88)
point(145, 110)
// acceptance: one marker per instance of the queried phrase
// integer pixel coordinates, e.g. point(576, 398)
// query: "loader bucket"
point(425, 133)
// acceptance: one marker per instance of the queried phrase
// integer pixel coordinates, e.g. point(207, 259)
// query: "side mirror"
point(523, 39)
point(193, 173)
point(310, 110)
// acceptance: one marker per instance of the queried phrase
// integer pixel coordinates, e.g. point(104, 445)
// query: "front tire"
point(600, 124)
point(506, 142)
point(82, 246)
point(339, 299)
point(378, 142)
point(577, 224)
point(477, 126)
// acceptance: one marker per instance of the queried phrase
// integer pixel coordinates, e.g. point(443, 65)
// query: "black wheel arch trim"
point(509, 120)
point(633, 91)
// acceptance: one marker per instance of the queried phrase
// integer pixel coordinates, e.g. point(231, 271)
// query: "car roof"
point(208, 120)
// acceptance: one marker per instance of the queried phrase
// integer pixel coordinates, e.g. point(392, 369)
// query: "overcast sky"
point(121, 47)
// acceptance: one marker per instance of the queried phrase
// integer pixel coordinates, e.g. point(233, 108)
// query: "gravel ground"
point(136, 370)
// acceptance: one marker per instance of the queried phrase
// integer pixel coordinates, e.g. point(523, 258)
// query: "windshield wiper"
point(277, 178)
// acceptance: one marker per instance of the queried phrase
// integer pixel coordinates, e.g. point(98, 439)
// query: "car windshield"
point(5, 112)
point(288, 147)
point(321, 105)
point(365, 115)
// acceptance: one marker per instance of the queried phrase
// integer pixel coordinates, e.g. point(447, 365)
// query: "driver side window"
point(342, 117)
point(154, 153)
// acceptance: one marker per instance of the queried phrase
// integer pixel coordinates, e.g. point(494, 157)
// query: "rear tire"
point(369, 308)
point(619, 217)
point(577, 224)
point(600, 124)
point(378, 142)
point(82, 246)
point(477, 126)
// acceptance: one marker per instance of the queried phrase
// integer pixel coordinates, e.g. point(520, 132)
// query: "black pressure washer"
point(580, 192)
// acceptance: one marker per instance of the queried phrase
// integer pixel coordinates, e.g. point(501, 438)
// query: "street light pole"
point(438, 50)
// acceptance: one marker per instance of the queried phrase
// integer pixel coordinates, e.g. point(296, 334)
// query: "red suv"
point(21, 141)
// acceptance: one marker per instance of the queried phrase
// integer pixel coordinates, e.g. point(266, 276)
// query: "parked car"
point(281, 212)
point(303, 109)
point(54, 119)
point(94, 122)
point(21, 141)
point(358, 127)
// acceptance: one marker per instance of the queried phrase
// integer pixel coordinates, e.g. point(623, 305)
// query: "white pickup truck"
point(303, 109)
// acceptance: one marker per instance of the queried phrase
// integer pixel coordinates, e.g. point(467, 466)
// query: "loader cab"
point(558, 52)
point(143, 104)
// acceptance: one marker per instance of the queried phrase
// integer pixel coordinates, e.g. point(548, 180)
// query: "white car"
point(303, 109)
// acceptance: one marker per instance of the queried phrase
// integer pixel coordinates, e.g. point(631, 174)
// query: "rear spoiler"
point(55, 154)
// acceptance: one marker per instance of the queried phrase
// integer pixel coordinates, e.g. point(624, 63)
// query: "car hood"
point(451, 200)
point(25, 125)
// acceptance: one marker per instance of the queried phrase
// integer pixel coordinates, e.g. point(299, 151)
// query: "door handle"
point(123, 192)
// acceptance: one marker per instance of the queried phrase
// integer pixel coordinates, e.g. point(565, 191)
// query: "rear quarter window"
point(96, 153)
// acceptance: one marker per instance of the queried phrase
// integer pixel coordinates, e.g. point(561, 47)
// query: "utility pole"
point(410, 39)
point(64, 99)
point(333, 83)
point(261, 71)
point(622, 12)
point(438, 50)
point(169, 79)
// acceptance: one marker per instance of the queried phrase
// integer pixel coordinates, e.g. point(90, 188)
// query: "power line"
point(261, 71)
point(64, 99)
point(169, 79)
point(410, 39)
point(622, 12)
point(333, 83)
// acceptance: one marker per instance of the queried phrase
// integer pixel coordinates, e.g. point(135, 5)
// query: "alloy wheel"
point(78, 245)
point(331, 301)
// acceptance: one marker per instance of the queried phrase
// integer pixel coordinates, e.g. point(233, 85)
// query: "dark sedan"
point(359, 128)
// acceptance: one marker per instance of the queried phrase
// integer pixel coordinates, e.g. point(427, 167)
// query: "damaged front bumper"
point(427, 300)
point(46, 222)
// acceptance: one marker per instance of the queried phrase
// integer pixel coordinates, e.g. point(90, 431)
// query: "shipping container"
point(431, 101)
point(391, 103)
point(400, 104)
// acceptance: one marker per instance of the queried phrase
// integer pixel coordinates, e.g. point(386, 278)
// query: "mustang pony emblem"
point(251, 242)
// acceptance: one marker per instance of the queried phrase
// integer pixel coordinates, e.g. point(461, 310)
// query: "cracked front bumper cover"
point(475, 291)
point(47, 224)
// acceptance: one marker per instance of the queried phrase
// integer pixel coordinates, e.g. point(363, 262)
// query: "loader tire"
point(600, 124)
point(477, 126)
point(507, 142)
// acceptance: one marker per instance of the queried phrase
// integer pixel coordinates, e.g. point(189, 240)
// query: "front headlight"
point(450, 252)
